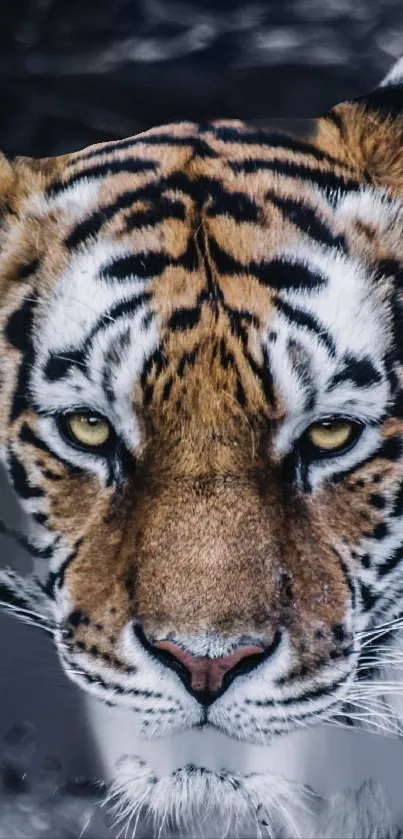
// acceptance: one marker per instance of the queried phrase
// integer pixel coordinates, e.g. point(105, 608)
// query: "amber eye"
point(87, 430)
point(333, 435)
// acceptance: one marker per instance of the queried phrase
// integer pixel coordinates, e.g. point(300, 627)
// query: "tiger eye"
point(330, 435)
point(89, 430)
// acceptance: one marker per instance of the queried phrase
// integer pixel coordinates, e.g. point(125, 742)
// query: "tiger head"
point(201, 411)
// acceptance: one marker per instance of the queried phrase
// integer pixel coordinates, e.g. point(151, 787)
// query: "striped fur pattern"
point(212, 290)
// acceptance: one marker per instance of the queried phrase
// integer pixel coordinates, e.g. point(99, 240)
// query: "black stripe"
point(348, 578)
point(27, 435)
point(93, 224)
point(360, 371)
point(18, 327)
point(188, 359)
point(136, 266)
point(20, 401)
point(307, 220)
point(289, 276)
point(166, 391)
point(148, 264)
point(19, 478)
point(122, 309)
point(156, 360)
point(272, 140)
point(397, 509)
point(103, 170)
point(276, 274)
point(163, 211)
point(18, 333)
point(265, 376)
point(307, 321)
point(200, 191)
point(26, 269)
point(368, 596)
point(391, 449)
point(315, 693)
point(56, 578)
point(324, 180)
point(57, 368)
point(117, 311)
point(184, 319)
point(390, 563)
point(237, 205)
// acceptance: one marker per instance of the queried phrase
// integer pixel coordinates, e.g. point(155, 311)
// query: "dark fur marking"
point(339, 633)
point(27, 435)
point(56, 578)
point(326, 180)
point(19, 479)
point(188, 359)
point(391, 562)
point(57, 368)
point(368, 596)
point(307, 220)
point(26, 269)
point(379, 532)
point(276, 274)
point(227, 358)
point(391, 449)
point(315, 693)
point(360, 371)
point(237, 205)
point(377, 501)
point(103, 170)
point(307, 321)
point(272, 140)
point(156, 360)
point(240, 394)
point(184, 319)
point(93, 224)
point(136, 266)
point(51, 476)
point(78, 618)
point(165, 209)
point(397, 509)
point(40, 518)
point(18, 328)
point(167, 389)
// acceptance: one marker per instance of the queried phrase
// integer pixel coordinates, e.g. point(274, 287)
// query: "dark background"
point(74, 72)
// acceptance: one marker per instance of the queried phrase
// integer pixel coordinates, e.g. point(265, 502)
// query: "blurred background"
point(74, 72)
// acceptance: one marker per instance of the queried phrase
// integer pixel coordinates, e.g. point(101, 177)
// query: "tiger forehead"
point(203, 211)
point(191, 260)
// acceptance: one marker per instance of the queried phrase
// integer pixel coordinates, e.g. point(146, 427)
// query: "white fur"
point(395, 75)
point(205, 803)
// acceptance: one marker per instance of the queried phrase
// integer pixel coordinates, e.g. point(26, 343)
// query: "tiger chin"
point(201, 412)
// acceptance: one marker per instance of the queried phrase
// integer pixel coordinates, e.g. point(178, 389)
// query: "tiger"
point(202, 416)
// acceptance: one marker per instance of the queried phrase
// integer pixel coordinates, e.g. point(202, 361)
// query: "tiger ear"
point(367, 133)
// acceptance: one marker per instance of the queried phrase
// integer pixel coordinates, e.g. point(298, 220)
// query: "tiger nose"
point(206, 677)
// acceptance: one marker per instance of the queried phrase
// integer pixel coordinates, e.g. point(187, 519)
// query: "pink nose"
point(207, 674)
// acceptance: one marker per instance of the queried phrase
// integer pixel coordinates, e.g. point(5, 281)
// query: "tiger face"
point(201, 412)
